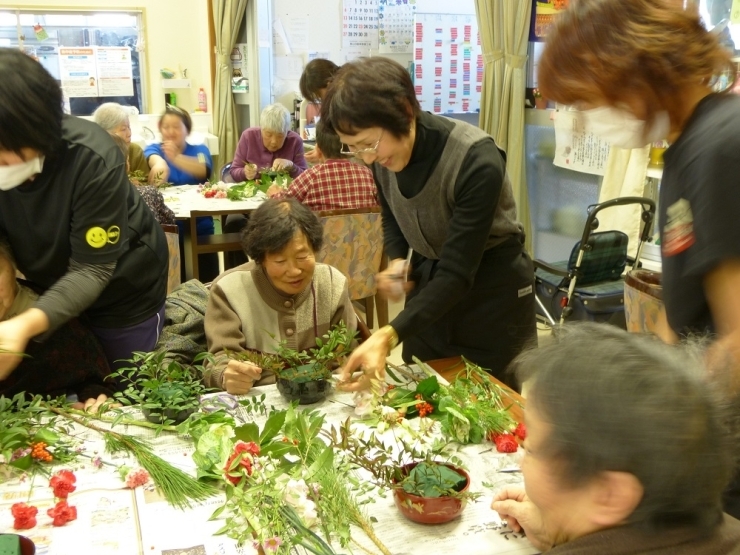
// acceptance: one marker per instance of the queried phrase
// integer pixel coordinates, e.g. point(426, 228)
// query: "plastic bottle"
point(202, 102)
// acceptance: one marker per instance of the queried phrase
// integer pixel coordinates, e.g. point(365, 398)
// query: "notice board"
point(448, 62)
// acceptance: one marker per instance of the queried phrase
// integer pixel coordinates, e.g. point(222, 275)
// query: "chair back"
point(353, 244)
point(604, 258)
point(173, 246)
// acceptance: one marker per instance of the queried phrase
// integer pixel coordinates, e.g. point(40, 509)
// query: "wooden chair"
point(173, 246)
point(353, 244)
point(224, 242)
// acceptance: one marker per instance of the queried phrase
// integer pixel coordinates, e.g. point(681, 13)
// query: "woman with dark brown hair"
point(314, 81)
point(445, 195)
point(643, 70)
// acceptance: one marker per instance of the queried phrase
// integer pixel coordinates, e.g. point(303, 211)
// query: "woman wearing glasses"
point(445, 195)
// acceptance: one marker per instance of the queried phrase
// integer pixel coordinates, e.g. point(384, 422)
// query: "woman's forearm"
point(190, 165)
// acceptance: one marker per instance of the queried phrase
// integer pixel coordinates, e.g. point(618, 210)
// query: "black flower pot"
point(305, 393)
point(158, 416)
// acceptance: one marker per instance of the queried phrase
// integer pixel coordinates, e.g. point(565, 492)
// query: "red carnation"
point(24, 515)
point(246, 451)
point(63, 483)
point(62, 513)
point(505, 443)
point(520, 431)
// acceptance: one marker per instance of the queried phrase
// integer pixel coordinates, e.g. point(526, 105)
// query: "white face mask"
point(620, 128)
point(17, 174)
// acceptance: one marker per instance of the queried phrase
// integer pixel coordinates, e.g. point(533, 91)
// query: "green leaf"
point(49, 437)
point(248, 432)
point(272, 427)
point(24, 463)
point(428, 387)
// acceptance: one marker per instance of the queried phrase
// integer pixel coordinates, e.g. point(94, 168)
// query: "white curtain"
point(227, 18)
point(624, 176)
point(504, 29)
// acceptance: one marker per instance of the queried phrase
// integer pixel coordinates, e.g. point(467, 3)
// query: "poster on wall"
point(360, 24)
point(448, 63)
point(396, 26)
point(575, 148)
point(78, 71)
point(115, 72)
point(544, 15)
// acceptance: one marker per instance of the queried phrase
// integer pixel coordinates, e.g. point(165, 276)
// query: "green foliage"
point(268, 178)
point(433, 480)
point(158, 384)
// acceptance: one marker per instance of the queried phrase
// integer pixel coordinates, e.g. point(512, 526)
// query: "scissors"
point(212, 403)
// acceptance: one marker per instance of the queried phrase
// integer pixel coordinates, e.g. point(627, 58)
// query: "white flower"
point(365, 403)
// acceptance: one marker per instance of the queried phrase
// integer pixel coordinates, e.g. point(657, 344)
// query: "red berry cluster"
point(423, 407)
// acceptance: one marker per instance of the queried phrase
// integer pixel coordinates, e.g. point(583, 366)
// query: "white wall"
point(175, 35)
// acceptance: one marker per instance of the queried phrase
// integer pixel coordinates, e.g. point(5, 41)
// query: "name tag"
point(525, 291)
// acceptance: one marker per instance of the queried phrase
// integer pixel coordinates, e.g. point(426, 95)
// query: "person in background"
point(336, 183)
point(643, 70)
point(281, 294)
point(273, 146)
point(151, 194)
point(627, 449)
point(314, 81)
point(176, 161)
point(114, 118)
point(444, 193)
point(79, 232)
point(70, 362)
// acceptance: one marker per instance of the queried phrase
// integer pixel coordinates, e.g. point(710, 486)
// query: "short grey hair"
point(275, 117)
point(616, 401)
point(110, 115)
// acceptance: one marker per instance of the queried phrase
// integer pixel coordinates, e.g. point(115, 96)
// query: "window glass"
point(94, 56)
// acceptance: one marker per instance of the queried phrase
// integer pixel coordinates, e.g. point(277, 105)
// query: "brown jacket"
point(626, 540)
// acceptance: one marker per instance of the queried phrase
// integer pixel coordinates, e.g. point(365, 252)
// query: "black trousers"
point(492, 322)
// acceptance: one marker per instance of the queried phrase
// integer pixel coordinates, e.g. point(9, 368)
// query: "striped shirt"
point(334, 185)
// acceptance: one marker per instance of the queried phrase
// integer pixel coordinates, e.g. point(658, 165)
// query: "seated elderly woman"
point(281, 294)
point(627, 449)
point(114, 118)
point(271, 145)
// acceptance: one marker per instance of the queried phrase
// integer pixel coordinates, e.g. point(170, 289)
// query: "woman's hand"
point(94, 404)
point(170, 150)
point(14, 336)
point(250, 171)
point(513, 506)
point(368, 357)
point(273, 190)
point(281, 164)
point(239, 377)
point(391, 282)
point(159, 173)
point(313, 156)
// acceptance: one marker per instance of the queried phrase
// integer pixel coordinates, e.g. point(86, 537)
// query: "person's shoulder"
point(89, 140)
point(135, 150)
point(293, 137)
point(329, 275)
point(234, 276)
point(713, 126)
point(153, 148)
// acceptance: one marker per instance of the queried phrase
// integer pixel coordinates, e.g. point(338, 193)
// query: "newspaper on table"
point(113, 520)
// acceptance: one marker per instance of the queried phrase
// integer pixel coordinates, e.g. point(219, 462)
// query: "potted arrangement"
point(167, 392)
point(429, 485)
point(305, 376)
point(246, 189)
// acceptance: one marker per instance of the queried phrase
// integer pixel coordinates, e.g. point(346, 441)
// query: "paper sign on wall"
point(735, 12)
point(576, 149)
point(78, 71)
point(115, 74)
point(359, 24)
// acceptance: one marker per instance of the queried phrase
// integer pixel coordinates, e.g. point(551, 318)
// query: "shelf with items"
point(175, 83)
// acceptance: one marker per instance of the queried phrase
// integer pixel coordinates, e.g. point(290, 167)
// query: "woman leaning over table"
point(281, 294)
point(176, 161)
point(77, 228)
point(114, 118)
point(272, 145)
point(444, 193)
point(314, 81)
point(628, 449)
point(643, 70)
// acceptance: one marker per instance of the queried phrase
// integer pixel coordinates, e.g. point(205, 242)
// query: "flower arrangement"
point(468, 410)
point(246, 189)
point(283, 486)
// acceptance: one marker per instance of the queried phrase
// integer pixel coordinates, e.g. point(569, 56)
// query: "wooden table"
point(451, 368)
point(188, 204)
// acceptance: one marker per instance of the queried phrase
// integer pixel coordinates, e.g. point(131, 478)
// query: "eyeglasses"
point(371, 150)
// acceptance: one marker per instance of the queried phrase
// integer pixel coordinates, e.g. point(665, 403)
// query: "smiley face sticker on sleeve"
point(97, 237)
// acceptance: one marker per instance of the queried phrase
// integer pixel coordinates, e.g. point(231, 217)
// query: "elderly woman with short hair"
point(114, 118)
point(271, 145)
point(281, 294)
point(627, 449)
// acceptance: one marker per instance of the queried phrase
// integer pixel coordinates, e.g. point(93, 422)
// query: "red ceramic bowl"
point(430, 510)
